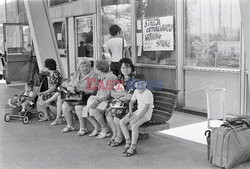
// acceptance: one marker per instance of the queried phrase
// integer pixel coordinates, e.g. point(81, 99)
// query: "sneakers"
point(68, 129)
point(82, 131)
point(57, 121)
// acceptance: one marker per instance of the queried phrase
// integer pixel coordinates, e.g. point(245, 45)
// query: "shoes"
point(116, 143)
point(57, 121)
point(44, 119)
point(103, 135)
point(94, 133)
point(68, 129)
point(110, 141)
point(131, 151)
point(82, 131)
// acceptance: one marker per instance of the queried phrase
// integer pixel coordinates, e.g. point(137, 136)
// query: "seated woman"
point(121, 95)
point(83, 81)
point(95, 112)
point(54, 81)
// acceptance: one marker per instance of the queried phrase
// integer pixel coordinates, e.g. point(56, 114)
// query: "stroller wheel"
point(25, 120)
point(7, 117)
point(40, 115)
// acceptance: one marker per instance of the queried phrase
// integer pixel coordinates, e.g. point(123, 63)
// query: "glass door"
point(85, 38)
point(18, 52)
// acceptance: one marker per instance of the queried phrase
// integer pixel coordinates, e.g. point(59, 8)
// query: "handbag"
point(74, 97)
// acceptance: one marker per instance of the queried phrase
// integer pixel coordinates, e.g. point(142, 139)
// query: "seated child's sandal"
point(130, 152)
point(82, 131)
point(116, 143)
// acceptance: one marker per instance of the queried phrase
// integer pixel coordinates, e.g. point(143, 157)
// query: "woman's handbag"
point(74, 97)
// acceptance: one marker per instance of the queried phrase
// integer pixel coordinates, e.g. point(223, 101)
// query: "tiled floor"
point(41, 146)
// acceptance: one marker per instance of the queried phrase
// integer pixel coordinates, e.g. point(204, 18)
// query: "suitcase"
point(228, 145)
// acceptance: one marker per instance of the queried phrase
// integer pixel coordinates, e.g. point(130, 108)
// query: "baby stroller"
point(13, 112)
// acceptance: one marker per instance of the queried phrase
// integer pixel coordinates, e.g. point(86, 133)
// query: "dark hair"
point(127, 63)
point(50, 64)
point(102, 65)
point(114, 29)
point(139, 77)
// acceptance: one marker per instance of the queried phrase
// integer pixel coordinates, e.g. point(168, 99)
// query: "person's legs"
point(123, 124)
point(110, 120)
point(58, 119)
point(135, 133)
point(82, 121)
point(119, 135)
point(51, 99)
point(99, 116)
point(66, 108)
point(93, 121)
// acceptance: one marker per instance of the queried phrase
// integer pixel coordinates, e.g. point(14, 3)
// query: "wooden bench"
point(164, 105)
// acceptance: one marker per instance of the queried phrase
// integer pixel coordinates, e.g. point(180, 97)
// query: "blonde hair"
point(84, 61)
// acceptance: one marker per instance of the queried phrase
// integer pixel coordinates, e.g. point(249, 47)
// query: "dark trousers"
point(115, 68)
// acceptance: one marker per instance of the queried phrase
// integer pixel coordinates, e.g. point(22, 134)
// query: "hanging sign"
point(158, 34)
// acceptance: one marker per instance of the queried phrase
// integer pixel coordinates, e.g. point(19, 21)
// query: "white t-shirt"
point(115, 45)
point(142, 99)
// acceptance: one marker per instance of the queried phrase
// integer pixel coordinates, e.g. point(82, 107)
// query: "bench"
point(164, 105)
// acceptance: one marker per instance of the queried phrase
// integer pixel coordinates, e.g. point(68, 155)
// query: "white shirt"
point(142, 99)
point(115, 45)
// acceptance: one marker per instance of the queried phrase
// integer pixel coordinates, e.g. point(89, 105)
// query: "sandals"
point(103, 135)
point(82, 131)
point(111, 141)
point(131, 151)
point(68, 129)
point(94, 133)
point(127, 146)
point(116, 143)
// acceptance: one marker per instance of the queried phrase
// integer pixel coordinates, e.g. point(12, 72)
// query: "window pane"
point(150, 9)
point(212, 33)
point(116, 13)
point(85, 37)
point(59, 28)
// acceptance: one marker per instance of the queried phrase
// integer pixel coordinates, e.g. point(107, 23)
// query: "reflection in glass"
point(85, 37)
point(212, 33)
point(150, 9)
point(116, 13)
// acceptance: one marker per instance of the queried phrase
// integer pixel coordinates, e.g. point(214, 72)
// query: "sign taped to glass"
point(158, 34)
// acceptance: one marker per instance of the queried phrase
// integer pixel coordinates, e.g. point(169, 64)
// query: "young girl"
point(144, 98)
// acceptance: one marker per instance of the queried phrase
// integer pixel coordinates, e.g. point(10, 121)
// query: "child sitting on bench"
point(145, 100)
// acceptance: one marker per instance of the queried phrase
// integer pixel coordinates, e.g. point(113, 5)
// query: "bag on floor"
point(229, 145)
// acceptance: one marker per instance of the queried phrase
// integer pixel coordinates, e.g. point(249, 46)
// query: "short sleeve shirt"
point(115, 46)
point(142, 99)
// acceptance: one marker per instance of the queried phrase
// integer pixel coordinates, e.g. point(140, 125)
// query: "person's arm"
point(140, 114)
point(110, 83)
point(127, 53)
point(52, 89)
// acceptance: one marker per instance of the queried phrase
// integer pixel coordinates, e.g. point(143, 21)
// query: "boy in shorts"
point(135, 119)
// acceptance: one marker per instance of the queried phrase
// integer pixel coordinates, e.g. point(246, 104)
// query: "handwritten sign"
point(158, 34)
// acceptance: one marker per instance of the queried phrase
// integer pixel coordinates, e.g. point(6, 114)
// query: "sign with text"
point(158, 34)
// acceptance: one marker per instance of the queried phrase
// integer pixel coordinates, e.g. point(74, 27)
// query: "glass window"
point(155, 32)
point(58, 2)
point(85, 37)
point(116, 12)
point(212, 33)
point(59, 29)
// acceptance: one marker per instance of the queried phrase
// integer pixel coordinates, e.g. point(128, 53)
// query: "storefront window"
point(212, 33)
point(116, 12)
point(84, 36)
point(155, 32)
